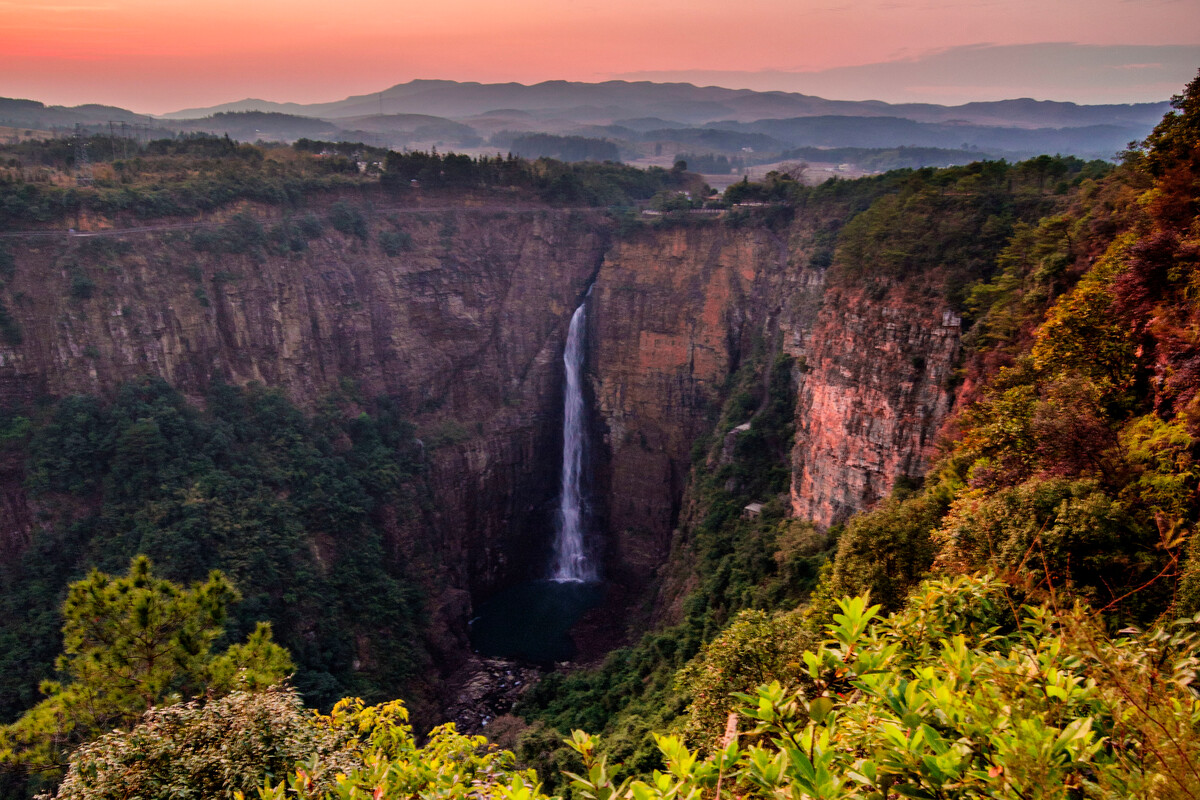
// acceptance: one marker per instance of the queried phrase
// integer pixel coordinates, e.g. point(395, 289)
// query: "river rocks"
point(485, 689)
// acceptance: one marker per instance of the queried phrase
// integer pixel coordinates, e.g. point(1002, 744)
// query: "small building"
point(752, 511)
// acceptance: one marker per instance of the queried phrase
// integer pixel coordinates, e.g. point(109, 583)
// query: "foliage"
point(887, 550)
point(1055, 531)
point(712, 163)
point(754, 649)
point(129, 643)
point(393, 243)
point(289, 507)
point(10, 329)
point(348, 219)
point(1177, 137)
point(962, 693)
point(958, 695)
point(243, 234)
point(385, 761)
point(8, 264)
point(164, 178)
point(563, 148)
point(1074, 467)
point(204, 750)
point(581, 183)
point(952, 221)
point(356, 151)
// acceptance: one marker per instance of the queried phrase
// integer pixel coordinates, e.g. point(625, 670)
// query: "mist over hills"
point(641, 120)
point(682, 102)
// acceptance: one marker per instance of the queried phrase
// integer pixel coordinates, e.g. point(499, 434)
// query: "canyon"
point(466, 329)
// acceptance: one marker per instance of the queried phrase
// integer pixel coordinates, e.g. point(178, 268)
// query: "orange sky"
point(160, 55)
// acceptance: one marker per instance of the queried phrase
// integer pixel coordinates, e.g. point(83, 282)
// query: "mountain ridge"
point(674, 120)
point(544, 96)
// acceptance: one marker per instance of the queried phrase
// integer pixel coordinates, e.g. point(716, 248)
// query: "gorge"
point(466, 330)
point(691, 368)
point(336, 469)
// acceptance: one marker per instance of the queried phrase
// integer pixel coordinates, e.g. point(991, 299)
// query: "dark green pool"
point(532, 621)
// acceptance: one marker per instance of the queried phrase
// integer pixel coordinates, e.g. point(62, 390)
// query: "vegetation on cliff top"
point(960, 694)
point(131, 643)
point(198, 173)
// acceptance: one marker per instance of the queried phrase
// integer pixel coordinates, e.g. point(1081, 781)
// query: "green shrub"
point(348, 219)
point(395, 242)
point(208, 750)
point(889, 550)
point(754, 649)
point(310, 226)
point(82, 286)
point(10, 330)
point(130, 643)
point(961, 694)
point(8, 265)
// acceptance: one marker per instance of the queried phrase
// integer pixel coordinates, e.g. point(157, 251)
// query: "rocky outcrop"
point(486, 689)
point(873, 391)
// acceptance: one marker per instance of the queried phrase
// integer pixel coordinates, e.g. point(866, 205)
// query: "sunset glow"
point(160, 55)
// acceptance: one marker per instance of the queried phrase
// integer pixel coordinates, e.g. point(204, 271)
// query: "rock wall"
point(872, 394)
point(467, 327)
point(675, 312)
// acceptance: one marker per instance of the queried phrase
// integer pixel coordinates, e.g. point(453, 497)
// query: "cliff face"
point(459, 317)
point(674, 314)
point(872, 394)
point(466, 328)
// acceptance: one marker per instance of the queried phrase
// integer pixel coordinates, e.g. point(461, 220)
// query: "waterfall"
point(571, 562)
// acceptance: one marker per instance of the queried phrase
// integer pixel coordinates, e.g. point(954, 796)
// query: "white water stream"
point(571, 562)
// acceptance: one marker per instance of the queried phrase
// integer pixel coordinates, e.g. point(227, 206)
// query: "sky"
point(156, 56)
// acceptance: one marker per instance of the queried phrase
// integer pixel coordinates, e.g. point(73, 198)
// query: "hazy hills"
point(682, 102)
point(643, 120)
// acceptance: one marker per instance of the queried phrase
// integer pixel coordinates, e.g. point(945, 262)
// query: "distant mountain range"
point(643, 119)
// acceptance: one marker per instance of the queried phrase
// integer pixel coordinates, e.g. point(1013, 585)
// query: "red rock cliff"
point(872, 395)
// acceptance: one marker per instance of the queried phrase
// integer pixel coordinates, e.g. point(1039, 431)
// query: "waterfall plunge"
point(571, 562)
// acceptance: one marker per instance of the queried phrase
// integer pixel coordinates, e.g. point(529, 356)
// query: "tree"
point(1178, 135)
point(131, 643)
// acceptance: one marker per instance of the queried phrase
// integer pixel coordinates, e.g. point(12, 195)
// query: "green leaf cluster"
point(961, 694)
